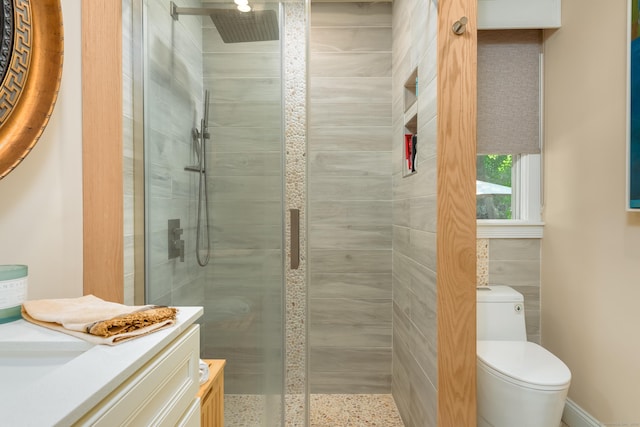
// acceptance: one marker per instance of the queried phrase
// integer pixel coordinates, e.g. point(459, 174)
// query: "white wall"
point(591, 247)
point(41, 200)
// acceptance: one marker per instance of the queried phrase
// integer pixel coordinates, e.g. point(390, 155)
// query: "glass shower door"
point(241, 286)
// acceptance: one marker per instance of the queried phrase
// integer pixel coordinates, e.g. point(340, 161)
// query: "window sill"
point(508, 229)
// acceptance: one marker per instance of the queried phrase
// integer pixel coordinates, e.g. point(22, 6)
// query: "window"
point(493, 186)
point(508, 196)
point(509, 134)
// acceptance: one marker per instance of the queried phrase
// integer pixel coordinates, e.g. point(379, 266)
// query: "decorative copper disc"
point(31, 49)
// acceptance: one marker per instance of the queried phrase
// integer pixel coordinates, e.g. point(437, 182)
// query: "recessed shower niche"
point(410, 142)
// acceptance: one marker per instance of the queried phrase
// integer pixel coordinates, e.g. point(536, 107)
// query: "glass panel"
point(493, 186)
point(230, 200)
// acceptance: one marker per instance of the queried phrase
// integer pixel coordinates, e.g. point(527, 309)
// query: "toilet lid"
point(524, 362)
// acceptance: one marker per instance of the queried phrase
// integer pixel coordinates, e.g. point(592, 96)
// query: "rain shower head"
point(238, 27)
point(235, 26)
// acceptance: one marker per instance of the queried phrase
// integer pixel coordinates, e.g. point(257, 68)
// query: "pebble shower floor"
point(327, 410)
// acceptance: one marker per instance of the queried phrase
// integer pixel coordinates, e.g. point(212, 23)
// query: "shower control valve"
point(175, 244)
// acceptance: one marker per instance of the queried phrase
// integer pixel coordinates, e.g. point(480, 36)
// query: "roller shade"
point(509, 91)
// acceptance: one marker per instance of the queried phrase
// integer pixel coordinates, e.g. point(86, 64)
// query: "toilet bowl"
point(519, 383)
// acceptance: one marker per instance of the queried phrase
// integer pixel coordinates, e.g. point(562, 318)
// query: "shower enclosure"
point(211, 95)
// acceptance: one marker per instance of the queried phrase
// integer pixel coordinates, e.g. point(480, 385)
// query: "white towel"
point(204, 372)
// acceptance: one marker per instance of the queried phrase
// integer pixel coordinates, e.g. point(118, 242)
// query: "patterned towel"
point(96, 320)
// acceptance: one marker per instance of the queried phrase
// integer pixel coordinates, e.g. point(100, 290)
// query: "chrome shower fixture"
point(237, 26)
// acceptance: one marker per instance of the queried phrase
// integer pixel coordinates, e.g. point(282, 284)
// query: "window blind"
point(509, 91)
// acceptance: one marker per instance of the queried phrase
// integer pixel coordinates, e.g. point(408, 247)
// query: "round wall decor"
point(31, 53)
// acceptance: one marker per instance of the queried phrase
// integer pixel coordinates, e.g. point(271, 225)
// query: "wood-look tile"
point(357, 114)
point(350, 360)
point(350, 39)
point(427, 139)
point(350, 64)
point(423, 183)
point(426, 355)
point(350, 382)
point(531, 308)
point(422, 213)
point(514, 249)
point(350, 312)
point(231, 89)
point(351, 14)
point(363, 188)
point(243, 140)
point(342, 236)
point(420, 246)
point(427, 101)
point(191, 294)
point(237, 265)
point(424, 314)
point(402, 212)
point(401, 381)
point(244, 236)
point(242, 65)
point(350, 285)
point(247, 212)
point(428, 65)
point(420, 33)
point(424, 398)
point(402, 295)
point(256, 187)
point(350, 261)
point(344, 164)
point(402, 327)
point(514, 273)
point(350, 90)
point(241, 164)
point(349, 335)
point(350, 138)
point(328, 212)
point(250, 114)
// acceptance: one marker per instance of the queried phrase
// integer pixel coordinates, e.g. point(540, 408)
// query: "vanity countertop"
point(54, 378)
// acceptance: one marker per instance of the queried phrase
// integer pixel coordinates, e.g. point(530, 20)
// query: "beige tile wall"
point(414, 383)
point(350, 207)
point(516, 263)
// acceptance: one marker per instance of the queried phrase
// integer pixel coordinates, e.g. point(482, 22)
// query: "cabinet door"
point(504, 14)
point(192, 417)
point(159, 393)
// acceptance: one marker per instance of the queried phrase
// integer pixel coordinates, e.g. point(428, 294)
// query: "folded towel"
point(96, 320)
point(204, 371)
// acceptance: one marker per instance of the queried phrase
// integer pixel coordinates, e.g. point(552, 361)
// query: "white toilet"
point(519, 382)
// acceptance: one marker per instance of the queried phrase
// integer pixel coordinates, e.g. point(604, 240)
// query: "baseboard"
point(575, 416)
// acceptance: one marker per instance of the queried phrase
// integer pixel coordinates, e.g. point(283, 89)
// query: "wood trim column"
point(456, 244)
point(102, 149)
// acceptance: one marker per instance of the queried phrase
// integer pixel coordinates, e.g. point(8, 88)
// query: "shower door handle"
point(295, 237)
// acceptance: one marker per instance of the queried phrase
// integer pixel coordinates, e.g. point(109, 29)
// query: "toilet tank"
point(500, 314)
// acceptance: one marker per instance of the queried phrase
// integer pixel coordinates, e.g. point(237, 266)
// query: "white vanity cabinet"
point(513, 14)
point(161, 393)
point(148, 381)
